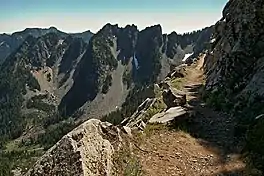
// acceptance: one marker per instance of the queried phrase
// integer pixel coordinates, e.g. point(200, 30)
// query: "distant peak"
point(53, 28)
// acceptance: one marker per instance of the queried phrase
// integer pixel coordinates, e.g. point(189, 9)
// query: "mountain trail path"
point(205, 148)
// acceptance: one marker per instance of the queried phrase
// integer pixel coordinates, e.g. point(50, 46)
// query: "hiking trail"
point(206, 149)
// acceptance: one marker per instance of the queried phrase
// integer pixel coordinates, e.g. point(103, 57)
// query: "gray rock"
point(86, 151)
point(138, 118)
point(168, 116)
point(164, 85)
point(178, 72)
point(127, 130)
point(172, 97)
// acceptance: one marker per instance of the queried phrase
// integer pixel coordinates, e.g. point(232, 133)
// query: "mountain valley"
point(125, 101)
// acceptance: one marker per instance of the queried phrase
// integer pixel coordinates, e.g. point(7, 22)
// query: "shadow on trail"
point(214, 130)
point(215, 127)
point(232, 173)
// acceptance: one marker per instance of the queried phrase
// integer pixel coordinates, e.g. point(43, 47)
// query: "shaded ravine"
point(205, 147)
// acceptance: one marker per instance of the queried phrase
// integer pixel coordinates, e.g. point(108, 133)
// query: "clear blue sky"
point(79, 15)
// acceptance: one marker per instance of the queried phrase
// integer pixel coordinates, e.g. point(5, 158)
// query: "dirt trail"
point(205, 150)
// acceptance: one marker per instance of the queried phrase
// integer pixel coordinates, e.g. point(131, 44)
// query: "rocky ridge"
point(10, 43)
point(234, 68)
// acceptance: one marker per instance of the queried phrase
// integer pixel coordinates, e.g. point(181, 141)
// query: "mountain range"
point(9, 43)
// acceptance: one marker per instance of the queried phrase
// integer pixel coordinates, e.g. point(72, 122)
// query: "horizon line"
point(82, 31)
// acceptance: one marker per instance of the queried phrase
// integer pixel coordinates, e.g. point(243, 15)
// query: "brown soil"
point(206, 149)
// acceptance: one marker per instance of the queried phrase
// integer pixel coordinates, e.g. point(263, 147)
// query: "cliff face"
point(235, 64)
point(235, 68)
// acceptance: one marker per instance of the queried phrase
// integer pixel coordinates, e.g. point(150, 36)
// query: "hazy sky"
point(80, 15)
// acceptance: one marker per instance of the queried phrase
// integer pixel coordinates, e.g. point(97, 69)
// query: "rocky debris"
point(17, 172)
point(172, 97)
point(137, 120)
point(189, 61)
point(127, 130)
point(87, 151)
point(164, 85)
point(169, 115)
point(178, 72)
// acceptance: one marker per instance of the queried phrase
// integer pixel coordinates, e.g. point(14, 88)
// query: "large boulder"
point(172, 97)
point(86, 151)
point(169, 115)
point(178, 72)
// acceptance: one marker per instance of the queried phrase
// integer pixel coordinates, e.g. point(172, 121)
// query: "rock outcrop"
point(162, 109)
point(235, 68)
point(172, 114)
point(235, 62)
point(138, 119)
point(172, 97)
point(86, 151)
point(178, 72)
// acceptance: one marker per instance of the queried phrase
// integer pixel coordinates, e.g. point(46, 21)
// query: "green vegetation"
point(153, 128)
point(97, 62)
point(114, 117)
point(128, 78)
point(177, 83)
point(255, 143)
point(107, 84)
point(126, 163)
point(245, 112)
point(48, 77)
point(37, 103)
point(55, 132)
point(18, 158)
point(219, 101)
point(136, 96)
point(157, 107)
point(17, 151)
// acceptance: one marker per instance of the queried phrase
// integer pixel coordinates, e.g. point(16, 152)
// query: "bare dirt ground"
point(206, 148)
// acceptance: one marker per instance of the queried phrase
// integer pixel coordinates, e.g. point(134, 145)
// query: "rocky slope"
point(32, 77)
point(235, 67)
point(87, 150)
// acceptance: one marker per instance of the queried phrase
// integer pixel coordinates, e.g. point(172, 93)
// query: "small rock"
point(127, 130)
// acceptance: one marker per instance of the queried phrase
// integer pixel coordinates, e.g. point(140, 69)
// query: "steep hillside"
point(235, 69)
point(30, 76)
point(143, 65)
point(9, 43)
point(86, 35)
